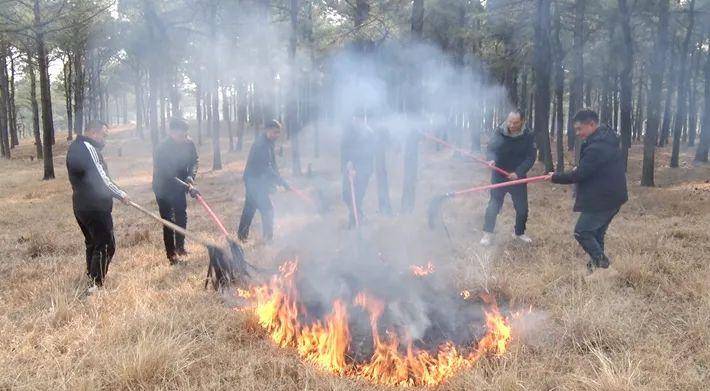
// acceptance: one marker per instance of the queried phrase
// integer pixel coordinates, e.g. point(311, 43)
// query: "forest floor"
point(155, 327)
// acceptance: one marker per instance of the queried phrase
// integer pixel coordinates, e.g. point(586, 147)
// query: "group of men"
point(599, 176)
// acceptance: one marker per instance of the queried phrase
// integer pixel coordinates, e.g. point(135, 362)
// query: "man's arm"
point(115, 191)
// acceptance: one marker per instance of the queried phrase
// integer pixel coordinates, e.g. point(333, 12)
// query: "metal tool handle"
point(171, 225)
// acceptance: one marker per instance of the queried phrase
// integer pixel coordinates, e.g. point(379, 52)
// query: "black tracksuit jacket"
point(600, 175)
point(93, 189)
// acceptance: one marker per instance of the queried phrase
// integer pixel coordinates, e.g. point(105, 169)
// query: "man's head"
point(97, 131)
point(273, 130)
point(178, 129)
point(586, 122)
point(515, 121)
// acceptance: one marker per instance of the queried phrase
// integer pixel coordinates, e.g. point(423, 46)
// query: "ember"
point(367, 335)
point(422, 270)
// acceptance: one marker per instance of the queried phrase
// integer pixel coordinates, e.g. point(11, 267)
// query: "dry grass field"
point(155, 327)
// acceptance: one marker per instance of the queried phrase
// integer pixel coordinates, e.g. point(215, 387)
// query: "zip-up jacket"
point(513, 153)
point(600, 175)
point(92, 188)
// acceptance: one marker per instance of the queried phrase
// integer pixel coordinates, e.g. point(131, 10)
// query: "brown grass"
point(154, 327)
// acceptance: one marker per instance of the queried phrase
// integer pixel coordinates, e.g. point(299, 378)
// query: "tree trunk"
point(138, 91)
point(671, 83)
point(153, 104)
point(162, 106)
point(543, 68)
point(292, 123)
point(46, 97)
point(693, 98)
point(701, 154)
point(524, 91)
point(68, 95)
point(4, 134)
point(411, 143)
point(34, 105)
point(78, 92)
point(214, 92)
point(639, 118)
point(577, 84)
point(626, 79)
point(11, 107)
point(606, 110)
point(242, 104)
point(682, 100)
point(227, 118)
point(657, 64)
point(559, 92)
point(198, 112)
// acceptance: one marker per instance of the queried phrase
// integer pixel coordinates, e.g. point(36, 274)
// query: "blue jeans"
point(590, 231)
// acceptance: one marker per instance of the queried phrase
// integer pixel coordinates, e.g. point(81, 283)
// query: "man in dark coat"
point(512, 148)
point(357, 160)
point(93, 192)
point(261, 176)
point(601, 185)
point(175, 157)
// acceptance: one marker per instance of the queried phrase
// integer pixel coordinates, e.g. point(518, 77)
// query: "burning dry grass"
point(155, 328)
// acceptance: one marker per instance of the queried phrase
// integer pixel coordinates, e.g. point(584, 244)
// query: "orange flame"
point(422, 271)
point(325, 342)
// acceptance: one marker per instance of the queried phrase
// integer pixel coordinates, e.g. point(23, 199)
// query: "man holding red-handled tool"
point(512, 150)
point(176, 157)
point(357, 156)
point(261, 176)
point(601, 185)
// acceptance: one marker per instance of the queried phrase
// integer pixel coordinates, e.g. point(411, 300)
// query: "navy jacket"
point(511, 153)
point(92, 188)
point(174, 160)
point(261, 169)
point(600, 175)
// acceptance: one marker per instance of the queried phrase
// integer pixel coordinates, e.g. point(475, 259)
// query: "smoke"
point(400, 89)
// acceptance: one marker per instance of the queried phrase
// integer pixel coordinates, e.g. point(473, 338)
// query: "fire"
point(421, 271)
point(395, 360)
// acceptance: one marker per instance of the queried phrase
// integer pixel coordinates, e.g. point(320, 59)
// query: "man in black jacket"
point(261, 176)
point(357, 163)
point(93, 192)
point(175, 157)
point(512, 149)
point(601, 185)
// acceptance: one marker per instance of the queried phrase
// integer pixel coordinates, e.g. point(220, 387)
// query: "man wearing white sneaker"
point(512, 148)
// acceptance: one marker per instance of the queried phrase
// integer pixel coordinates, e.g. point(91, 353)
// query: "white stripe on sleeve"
point(107, 181)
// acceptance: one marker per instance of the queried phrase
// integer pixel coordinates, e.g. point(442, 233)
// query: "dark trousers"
point(590, 230)
point(519, 194)
point(173, 208)
point(97, 227)
point(359, 188)
point(257, 198)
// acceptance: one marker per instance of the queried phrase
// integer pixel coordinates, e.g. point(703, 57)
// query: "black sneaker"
point(603, 262)
point(181, 252)
point(175, 260)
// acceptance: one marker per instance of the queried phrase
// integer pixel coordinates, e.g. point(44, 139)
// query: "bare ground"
point(154, 327)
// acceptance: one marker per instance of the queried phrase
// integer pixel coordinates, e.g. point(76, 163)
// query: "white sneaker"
point(486, 239)
point(92, 289)
point(523, 238)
